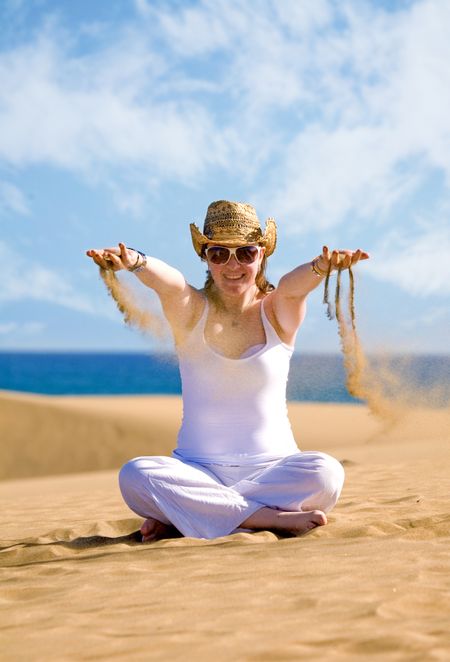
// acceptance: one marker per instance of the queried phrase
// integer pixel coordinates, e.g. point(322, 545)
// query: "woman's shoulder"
point(185, 313)
point(197, 304)
point(199, 301)
point(270, 310)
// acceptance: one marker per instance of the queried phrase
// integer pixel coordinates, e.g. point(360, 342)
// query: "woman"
point(236, 464)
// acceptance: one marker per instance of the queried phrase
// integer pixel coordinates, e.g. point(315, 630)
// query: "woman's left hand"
point(340, 259)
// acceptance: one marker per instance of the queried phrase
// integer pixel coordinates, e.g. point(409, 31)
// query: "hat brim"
point(268, 239)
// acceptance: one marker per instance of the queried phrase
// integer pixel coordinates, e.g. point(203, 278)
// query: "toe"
point(319, 518)
point(146, 527)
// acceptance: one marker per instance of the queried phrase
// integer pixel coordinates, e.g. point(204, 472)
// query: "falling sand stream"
point(375, 386)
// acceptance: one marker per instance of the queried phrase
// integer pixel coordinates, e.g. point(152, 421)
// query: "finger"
point(100, 259)
point(111, 257)
point(113, 250)
point(114, 262)
point(101, 251)
point(335, 258)
point(95, 255)
point(362, 254)
point(124, 255)
point(346, 261)
point(325, 256)
point(355, 257)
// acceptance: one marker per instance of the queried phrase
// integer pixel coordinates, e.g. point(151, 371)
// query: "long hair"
point(261, 281)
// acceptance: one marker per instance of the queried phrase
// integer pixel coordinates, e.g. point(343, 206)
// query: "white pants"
point(212, 500)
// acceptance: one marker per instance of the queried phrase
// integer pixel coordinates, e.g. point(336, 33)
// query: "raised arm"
point(179, 299)
point(288, 301)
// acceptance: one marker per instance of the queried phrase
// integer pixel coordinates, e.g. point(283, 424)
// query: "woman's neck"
point(234, 305)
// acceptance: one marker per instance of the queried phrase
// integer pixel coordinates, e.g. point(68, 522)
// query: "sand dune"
point(52, 435)
point(43, 436)
point(77, 584)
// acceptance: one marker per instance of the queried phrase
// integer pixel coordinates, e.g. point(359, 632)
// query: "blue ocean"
point(313, 377)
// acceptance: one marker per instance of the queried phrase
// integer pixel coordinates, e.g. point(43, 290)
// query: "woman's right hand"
point(114, 258)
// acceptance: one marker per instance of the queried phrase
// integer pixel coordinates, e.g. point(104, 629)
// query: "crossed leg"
point(291, 495)
point(287, 521)
point(297, 492)
point(264, 518)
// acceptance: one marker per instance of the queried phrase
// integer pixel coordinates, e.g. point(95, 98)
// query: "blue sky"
point(122, 121)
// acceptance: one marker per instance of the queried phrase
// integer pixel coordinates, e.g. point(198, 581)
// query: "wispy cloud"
point(24, 328)
point(90, 115)
point(379, 92)
point(7, 327)
point(12, 200)
point(418, 264)
point(362, 90)
point(332, 113)
point(24, 279)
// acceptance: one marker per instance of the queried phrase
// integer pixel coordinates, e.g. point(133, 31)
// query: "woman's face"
point(234, 277)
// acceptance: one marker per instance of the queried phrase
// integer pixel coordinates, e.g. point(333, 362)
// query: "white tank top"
point(234, 410)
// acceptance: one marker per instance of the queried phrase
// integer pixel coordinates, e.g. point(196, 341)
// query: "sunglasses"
point(222, 254)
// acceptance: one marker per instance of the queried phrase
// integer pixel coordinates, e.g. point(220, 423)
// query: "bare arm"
point(179, 299)
point(164, 279)
point(289, 299)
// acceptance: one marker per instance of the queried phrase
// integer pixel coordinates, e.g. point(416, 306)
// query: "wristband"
point(136, 266)
point(142, 265)
point(317, 270)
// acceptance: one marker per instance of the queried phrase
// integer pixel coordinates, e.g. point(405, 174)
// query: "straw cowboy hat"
point(235, 224)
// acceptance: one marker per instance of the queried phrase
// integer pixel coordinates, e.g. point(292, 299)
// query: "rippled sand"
point(77, 584)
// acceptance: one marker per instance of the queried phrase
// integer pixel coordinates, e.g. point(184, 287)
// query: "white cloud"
point(25, 328)
point(100, 111)
point(202, 28)
point(346, 120)
point(381, 95)
point(329, 174)
point(355, 102)
point(436, 315)
point(418, 264)
point(7, 327)
point(327, 112)
point(33, 328)
point(24, 279)
point(131, 203)
point(301, 19)
point(12, 200)
point(143, 8)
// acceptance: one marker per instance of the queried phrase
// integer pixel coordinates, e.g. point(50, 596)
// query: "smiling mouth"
point(234, 277)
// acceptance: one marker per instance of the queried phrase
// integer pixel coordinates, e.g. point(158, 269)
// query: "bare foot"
point(153, 529)
point(298, 523)
point(294, 523)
